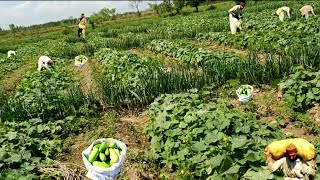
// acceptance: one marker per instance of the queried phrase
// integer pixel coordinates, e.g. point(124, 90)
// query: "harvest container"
point(244, 98)
point(99, 173)
point(78, 63)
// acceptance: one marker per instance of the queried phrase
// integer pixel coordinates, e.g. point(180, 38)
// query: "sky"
point(25, 13)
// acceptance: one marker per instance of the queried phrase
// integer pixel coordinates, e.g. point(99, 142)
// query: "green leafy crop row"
point(302, 89)
point(201, 139)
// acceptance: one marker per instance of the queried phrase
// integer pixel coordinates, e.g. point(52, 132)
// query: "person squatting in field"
point(281, 12)
point(12, 53)
point(82, 26)
point(43, 62)
point(305, 10)
point(293, 167)
point(235, 14)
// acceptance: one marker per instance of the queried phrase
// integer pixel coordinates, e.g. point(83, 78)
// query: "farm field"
point(166, 87)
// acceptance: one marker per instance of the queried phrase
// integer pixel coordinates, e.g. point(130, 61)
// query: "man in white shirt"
point(305, 10)
point(281, 12)
point(234, 17)
point(43, 62)
point(292, 166)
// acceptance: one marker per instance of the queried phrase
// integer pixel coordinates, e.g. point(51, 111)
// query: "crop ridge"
point(8, 82)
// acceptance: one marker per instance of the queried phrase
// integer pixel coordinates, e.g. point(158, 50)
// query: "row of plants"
point(139, 33)
point(301, 89)
point(222, 67)
point(188, 53)
point(131, 80)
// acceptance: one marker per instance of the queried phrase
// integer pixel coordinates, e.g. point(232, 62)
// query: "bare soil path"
point(84, 74)
point(9, 82)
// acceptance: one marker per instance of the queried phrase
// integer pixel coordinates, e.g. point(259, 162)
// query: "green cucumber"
point(113, 145)
point(93, 155)
point(114, 156)
point(100, 164)
point(107, 152)
point(97, 145)
point(102, 147)
point(117, 151)
point(102, 157)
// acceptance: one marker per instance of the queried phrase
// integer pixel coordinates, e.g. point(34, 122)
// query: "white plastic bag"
point(78, 63)
point(98, 173)
point(245, 98)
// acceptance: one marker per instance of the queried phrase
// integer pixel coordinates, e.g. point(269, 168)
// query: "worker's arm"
point(46, 66)
point(306, 169)
point(288, 12)
point(274, 165)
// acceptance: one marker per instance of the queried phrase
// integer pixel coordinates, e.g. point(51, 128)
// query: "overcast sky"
point(25, 13)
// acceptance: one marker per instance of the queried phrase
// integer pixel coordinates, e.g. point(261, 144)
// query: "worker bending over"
point(43, 62)
point(281, 12)
point(235, 14)
point(305, 10)
point(12, 53)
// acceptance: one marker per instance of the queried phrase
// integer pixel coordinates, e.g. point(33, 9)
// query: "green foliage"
point(302, 89)
point(195, 3)
point(43, 110)
point(178, 5)
point(203, 139)
point(131, 80)
point(103, 15)
point(223, 66)
point(67, 31)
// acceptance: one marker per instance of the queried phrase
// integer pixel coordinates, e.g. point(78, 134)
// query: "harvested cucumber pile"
point(81, 58)
point(244, 91)
point(103, 155)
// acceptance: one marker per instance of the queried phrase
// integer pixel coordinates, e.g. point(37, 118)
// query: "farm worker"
point(280, 12)
point(234, 17)
point(12, 53)
point(82, 26)
point(43, 62)
point(305, 10)
point(293, 167)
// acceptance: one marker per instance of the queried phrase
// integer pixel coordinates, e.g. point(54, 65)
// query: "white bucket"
point(98, 173)
point(78, 63)
point(245, 98)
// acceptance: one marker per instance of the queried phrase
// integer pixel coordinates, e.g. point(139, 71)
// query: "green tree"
point(11, 26)
point(155, 6)
point(103, 15)
point(166, 6)
point(178, 5)
point(195, 3)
